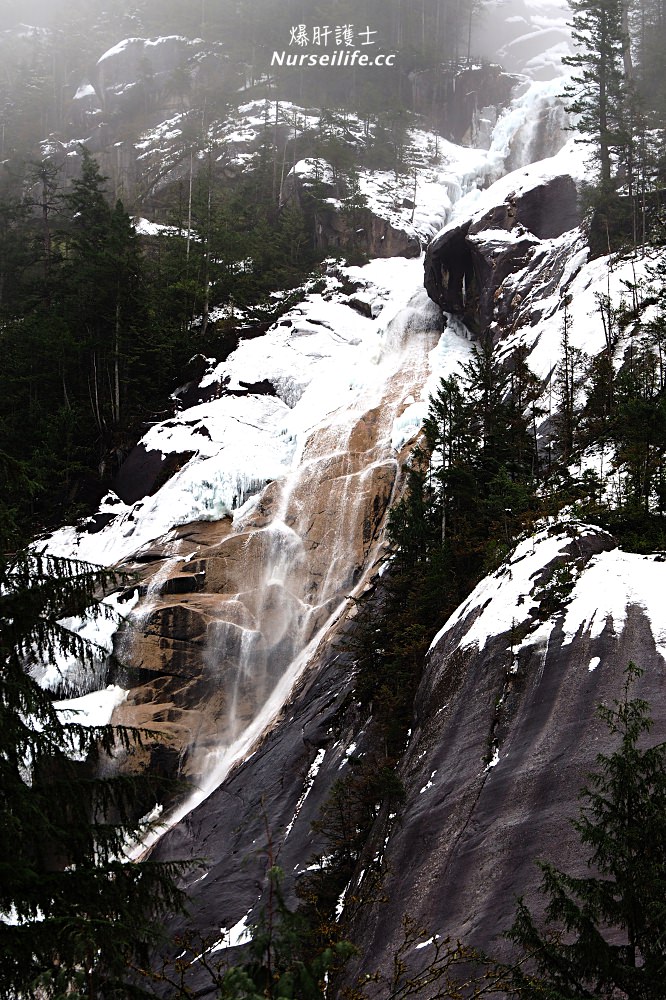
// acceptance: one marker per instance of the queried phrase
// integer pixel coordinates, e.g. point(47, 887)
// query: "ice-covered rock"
point(467, 263)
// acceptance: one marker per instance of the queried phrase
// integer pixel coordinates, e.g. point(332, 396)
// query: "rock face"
point(467, 264)
point(460, 102)
point(505, 732)
point(315, 190)
point(230, 606)
point(366, 232)
point(503, 735)
point(147, 73)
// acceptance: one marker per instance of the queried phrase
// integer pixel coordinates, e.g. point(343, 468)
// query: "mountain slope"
point(258, 519)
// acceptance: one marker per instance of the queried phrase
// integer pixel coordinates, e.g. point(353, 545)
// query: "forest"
point(98, 325)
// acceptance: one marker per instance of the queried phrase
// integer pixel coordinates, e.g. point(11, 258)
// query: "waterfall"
point(530, 129)
point(320, 528)
point(293, 488)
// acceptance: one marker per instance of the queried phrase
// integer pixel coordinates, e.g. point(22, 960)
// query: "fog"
point(40, 12)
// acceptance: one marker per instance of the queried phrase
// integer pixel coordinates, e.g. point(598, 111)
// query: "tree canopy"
point(604, 934)
point(75, 910)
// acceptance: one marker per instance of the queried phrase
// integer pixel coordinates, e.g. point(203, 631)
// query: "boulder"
point(144, 471)
point(466, 264)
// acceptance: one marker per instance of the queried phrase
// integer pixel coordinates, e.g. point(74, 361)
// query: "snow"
point(159, 136)
point(504, 598)
point(117, 48)
point(239, 934)
point(416, 201)
point(97, 627)
point(146, 228)
point(309, 782)
point(426, 944)
point(94, 709)
point(313, 169)
point(611, 584)
point(340, 905)
point(570, 161)
point(598, 601)
point(126, 43)
point(85, 90)
point(349, 752)
point(584, 283)
point(429, 784)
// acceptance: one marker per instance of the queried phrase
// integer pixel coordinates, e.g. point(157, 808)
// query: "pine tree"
point(75, 913)
point(605, 934)
point(568, 376)
point(101, 288)
point(599, 90)
point(639, 426)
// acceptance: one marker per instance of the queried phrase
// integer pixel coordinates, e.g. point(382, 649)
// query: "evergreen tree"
point(568, 376)
point(605, 934)
point(101, 287)
point(599, 90)
point(639, 427)
point(74, 911)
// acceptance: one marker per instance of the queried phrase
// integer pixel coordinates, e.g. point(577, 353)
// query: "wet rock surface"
point(503, 736)
point(228, 605)
point(466, 265)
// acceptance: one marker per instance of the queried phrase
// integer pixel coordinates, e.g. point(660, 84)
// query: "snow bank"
point(598, 598)
point(318, 357)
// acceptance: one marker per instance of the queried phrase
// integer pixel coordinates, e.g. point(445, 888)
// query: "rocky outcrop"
point(365, 232)
point(460, 101)
point(140, 74)
point(338, 223)
point(503, 736)
point(467, 264)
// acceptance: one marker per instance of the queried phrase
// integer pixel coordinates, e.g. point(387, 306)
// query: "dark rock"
point(262, 388)
point(144, 472)
point(185, 583)
point(454, 99)
point(361, 306)
point(525, 295)
point(96, 522)
point(368, 233)
point(177, 622)
point(465, 266)
point(493, 260)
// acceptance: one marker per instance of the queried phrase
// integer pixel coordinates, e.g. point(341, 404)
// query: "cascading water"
point(284, 575)
point(281, 575)
point(294, 528)
point(531, 129)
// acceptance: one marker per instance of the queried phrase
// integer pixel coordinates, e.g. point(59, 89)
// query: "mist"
point(42, 13)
